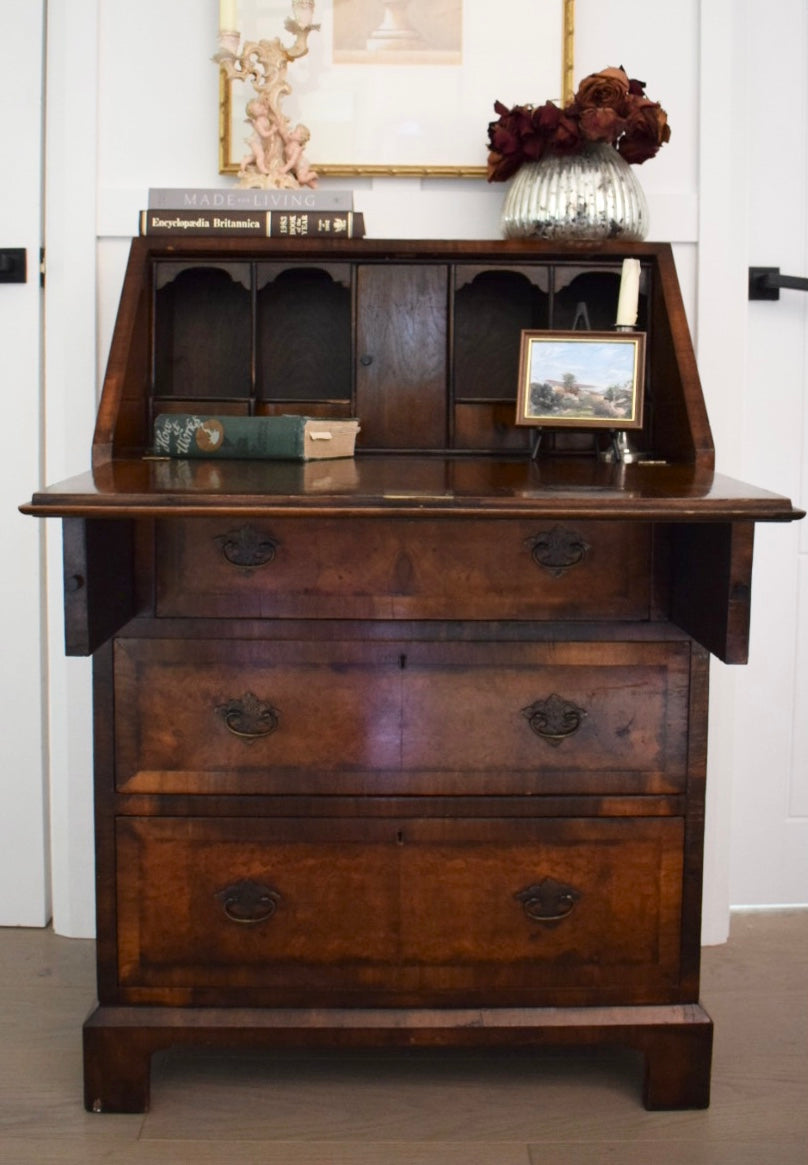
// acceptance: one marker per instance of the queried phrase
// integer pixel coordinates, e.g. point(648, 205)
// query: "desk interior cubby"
point(254, 338)
point(251, 337)
point(491, 306)
point(419, 341)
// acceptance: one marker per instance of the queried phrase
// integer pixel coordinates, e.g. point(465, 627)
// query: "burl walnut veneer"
point(407, 749)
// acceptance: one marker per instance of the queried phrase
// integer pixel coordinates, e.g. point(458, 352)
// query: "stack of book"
point(300, 213)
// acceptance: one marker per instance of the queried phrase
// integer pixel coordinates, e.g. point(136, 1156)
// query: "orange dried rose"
point(607, 88)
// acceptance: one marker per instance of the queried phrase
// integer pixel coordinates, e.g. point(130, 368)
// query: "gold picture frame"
point(581, 380)
point(430, 122)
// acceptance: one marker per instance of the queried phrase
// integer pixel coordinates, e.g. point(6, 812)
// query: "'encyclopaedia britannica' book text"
point(346, 224)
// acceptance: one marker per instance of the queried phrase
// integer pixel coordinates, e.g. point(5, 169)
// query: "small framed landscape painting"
point(581, 380)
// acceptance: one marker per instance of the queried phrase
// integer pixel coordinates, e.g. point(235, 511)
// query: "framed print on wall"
point(403, 87)
point(581, 380)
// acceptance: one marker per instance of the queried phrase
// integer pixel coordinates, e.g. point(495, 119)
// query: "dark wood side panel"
point(681, 430)
point(122, 421)
point(99, 581)
point(712, 585)
point(105, 807)
point(694, 823)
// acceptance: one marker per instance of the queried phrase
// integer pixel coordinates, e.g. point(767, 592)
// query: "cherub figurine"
point(276, 156)
point(295, 161)
point(260, 141)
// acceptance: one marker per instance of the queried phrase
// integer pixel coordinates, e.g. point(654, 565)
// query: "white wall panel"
point(798, 784)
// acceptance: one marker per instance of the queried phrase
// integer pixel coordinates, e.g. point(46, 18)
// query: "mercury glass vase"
point(586, 197)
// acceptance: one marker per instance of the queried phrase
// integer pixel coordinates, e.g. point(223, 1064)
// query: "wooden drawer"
point(309, 716)
point(370, 568)
point(400, 911)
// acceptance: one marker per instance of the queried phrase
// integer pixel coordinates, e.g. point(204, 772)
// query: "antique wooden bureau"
point(406, 749)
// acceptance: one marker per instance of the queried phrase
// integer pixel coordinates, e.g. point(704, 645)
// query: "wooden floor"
point(414, 1108)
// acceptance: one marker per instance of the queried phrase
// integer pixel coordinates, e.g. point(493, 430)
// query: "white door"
point(24, 881)
point(71, 375)
point(48, 379)
point(769, 854)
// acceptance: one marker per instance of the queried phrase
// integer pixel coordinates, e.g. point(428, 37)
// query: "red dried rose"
point(501, 166)
point(599, 124)
point(567, 137)
point(546, 118)
point(646, 130)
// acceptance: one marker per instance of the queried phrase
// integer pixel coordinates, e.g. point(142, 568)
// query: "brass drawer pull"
point(554, 719)
point(558, 550)
point(548, 900)
point(249, 718)
point(248, 903)
point(247, 547)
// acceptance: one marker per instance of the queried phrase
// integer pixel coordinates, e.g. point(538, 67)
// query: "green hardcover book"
point(282, 438)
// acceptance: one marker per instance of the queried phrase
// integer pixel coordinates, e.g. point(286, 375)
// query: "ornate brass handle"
point(554, 719)
point(247, 547)
point(249, 718)
point(548, 900)
point(558, 550)
point(248, 903)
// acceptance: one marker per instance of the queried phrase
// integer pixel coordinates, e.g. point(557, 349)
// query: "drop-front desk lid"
point(390, 484)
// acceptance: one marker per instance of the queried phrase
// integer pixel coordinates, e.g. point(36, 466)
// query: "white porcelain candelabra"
point(275, 158)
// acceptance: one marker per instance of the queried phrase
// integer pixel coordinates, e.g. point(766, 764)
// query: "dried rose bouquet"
point(609, 106)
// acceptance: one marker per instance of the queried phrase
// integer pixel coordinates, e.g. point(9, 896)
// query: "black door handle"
point(765, 282)
point(12, 264)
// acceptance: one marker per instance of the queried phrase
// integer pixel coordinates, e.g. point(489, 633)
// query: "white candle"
point(629, 297)
point(303, 12)
point(228, 15)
